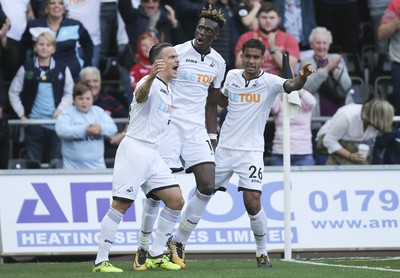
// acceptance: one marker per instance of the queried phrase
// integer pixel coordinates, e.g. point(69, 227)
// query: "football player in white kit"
point(193, 131)
point(138, 163)
point(249, 94)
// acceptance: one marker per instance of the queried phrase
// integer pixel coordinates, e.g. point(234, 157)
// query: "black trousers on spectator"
point(4, 141)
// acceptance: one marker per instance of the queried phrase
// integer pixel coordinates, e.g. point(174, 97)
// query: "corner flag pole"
point(286, 73)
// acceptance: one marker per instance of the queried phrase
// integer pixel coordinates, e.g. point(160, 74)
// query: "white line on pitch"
point(347, 266)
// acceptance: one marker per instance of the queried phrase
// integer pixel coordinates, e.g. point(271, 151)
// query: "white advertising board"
point(60, 212)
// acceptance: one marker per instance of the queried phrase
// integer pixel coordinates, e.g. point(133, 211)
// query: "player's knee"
point(176, 203)
point(179, 204)
point(252, 208)
point(122, 205)
point(206, 189)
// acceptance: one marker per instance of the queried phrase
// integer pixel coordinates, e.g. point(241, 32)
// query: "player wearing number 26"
point(249, 94)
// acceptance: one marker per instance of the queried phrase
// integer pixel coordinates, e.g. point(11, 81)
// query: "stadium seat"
point(109, 162)
point(367, 57)
point(367, 51)
point(21, 163)
point(356, 80)
point(108, 67)
point(56, 163)
point(383, 87)
point(354, 65)
point(380, 65)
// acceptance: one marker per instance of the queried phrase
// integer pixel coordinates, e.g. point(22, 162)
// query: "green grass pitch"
point(333, 267)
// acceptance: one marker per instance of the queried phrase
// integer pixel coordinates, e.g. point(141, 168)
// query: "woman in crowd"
point(351, 125)
point(68, 32)
point(326, 65)
point(301, 150)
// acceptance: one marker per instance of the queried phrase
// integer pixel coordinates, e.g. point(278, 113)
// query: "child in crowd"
point(92, 76)
point(41, 89)
point(142, 65)
point(82, 129)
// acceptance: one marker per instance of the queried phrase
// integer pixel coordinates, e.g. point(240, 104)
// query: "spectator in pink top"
point(275, 40)
point(301, 149)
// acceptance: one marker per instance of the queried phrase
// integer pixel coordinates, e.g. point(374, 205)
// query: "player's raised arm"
point(143, 91)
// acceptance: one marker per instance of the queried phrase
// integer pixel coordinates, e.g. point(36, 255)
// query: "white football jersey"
point(196, 73)
point(250, 102)
point(149, 120)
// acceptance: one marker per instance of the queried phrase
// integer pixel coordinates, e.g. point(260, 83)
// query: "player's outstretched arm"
point(298, 82)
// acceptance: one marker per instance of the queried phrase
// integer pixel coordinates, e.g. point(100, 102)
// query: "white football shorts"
point(187, 141)
point(138, 164)
point(248, 165)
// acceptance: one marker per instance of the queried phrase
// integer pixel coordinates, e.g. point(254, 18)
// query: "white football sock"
point(258, 224)
point(194, 210)
point(165, 227)
point(109, 227)
point(149, 216)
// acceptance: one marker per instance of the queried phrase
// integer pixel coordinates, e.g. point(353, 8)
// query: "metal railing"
point(15, 122)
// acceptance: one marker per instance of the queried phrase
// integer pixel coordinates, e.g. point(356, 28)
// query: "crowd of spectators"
point(87, 32)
